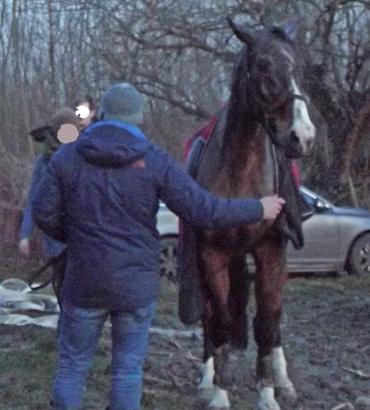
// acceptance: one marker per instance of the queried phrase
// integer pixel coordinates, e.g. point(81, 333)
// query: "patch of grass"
point(321, 316)
point(28, 358)
point(329, 285)
point(26, 368)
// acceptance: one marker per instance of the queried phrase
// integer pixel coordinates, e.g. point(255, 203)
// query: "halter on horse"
point(264, 125)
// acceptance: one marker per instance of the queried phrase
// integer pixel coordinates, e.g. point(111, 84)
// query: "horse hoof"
point(205, 395)
point(288, 392)
point(219, 400)
point(267, 400)
point(216, 407)
point(271, 405)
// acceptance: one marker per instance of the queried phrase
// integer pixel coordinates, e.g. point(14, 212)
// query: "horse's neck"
point(248, 159)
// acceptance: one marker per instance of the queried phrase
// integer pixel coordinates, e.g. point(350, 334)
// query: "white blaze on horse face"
point(302, 126)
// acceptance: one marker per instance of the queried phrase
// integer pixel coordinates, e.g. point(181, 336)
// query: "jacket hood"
point(112, 143)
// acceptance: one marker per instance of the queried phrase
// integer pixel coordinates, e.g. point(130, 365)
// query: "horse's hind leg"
point(271, 364)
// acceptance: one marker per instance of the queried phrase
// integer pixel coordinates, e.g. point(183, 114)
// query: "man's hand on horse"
point(272, 205)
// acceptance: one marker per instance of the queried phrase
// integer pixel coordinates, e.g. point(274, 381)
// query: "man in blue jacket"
point(100, 196)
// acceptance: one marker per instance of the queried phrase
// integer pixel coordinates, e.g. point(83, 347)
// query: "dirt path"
point(326, 332)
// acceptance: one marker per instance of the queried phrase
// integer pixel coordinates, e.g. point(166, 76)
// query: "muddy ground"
point(326, 331)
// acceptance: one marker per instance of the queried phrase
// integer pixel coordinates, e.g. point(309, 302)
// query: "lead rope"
point(276, 167)
point(37, 273)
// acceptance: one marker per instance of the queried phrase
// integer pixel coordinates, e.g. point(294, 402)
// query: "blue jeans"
point(78, 336)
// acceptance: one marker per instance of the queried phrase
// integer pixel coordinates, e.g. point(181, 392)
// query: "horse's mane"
point(238, 101)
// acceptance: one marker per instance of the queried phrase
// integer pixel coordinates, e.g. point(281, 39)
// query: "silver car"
point(337, 239)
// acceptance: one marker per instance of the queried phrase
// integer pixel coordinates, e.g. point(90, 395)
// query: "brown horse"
point(266, 118)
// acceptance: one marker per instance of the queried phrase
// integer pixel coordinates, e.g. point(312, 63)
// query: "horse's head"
point(271, 67)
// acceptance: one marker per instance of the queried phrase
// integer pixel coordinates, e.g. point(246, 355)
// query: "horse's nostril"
point(293, 137)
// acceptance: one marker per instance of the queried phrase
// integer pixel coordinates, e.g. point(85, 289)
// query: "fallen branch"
point(358, 373)
point(189, 355)
point(344, 406)
point(152, 379)
point(174, 380)
point(176, 344)
point(156, 392)
point(172, 333)
point(161, 353)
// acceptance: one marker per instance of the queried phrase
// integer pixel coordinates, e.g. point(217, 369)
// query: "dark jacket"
point(50, 245)
point(101, 196)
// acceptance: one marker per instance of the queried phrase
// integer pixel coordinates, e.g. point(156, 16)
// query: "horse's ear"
point(243, 35)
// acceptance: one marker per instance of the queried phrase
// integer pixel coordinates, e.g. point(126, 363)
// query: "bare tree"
point(180, 55)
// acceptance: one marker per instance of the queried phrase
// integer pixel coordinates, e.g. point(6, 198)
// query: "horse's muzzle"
point(299, 146)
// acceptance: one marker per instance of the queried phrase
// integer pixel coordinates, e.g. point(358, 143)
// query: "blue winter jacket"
point(101, 196)
point(51, 247)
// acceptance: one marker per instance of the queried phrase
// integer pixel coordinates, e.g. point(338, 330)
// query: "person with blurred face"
point(85, 109)
point(101, 196)
point(61, 129)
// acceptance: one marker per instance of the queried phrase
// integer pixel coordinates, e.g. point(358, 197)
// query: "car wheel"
point(359, 256)
point(168, 258)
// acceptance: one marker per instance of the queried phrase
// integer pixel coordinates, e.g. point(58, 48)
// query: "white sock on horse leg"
point(208, 374)
point(279, 366)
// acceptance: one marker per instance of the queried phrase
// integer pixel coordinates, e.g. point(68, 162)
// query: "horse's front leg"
point(216, 325)
point(283, 385)
point(208, 368)
point(271, 364)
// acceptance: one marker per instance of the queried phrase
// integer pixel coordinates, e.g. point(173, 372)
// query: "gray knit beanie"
point(122, 102)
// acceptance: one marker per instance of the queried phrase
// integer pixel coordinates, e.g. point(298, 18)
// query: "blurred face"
point(85, 114)
point(67, 133)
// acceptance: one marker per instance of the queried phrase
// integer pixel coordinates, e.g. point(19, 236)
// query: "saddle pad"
point(191, 297)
